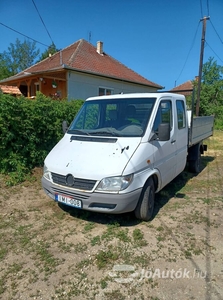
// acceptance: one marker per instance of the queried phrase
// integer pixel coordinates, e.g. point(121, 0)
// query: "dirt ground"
point(50, 252)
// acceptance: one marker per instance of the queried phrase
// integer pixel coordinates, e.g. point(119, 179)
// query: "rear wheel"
point(195, 164)
point(145, 206)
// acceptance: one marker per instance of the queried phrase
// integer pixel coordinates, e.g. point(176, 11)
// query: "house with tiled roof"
point(10, 90)
point(79, 71)
point(185, 88)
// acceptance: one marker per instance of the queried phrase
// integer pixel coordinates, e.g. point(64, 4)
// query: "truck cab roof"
point(137, 95)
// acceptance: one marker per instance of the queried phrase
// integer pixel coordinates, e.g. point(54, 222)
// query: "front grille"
point(71, 194)
point(79, 183)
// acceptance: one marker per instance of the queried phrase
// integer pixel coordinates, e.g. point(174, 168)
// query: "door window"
point(164, 115)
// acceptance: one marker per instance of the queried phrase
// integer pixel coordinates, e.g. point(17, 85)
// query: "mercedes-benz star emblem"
point(70, 180)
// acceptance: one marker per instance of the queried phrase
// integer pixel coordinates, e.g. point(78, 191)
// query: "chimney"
point(100, 47)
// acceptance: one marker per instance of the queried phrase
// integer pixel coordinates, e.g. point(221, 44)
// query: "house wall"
point(54, 92)
point(82, 86)
point(30, 87)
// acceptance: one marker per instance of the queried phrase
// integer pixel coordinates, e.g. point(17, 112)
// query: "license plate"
point(68, 201)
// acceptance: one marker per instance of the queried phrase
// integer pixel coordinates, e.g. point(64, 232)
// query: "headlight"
point(46, 173)
point(115, 184)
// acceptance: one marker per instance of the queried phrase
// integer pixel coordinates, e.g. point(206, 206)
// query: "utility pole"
point(201, 64)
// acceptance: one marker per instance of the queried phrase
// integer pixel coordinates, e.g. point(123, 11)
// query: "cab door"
point(181, 136)
point(165, 151)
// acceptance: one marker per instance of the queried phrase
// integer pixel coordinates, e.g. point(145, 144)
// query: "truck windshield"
point(113, 117)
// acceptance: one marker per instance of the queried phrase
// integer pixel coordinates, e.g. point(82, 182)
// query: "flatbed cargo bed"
point(200, 129)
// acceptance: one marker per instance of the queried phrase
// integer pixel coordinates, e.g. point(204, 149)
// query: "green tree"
point(50, 51)
point(4, 71)
point(19, 57)
point(211, 102)
point(211, 95)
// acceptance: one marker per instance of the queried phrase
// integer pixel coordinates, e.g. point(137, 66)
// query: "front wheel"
point(145, 206)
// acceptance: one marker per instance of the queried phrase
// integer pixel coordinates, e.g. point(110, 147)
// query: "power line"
point(208, 7)
point(42, 21)
point(216, 32)
point(214, 52)
point(201, 8)
point(23, 35)
point(192, 44)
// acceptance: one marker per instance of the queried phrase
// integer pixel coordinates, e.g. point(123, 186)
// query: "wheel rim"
point(150, 202)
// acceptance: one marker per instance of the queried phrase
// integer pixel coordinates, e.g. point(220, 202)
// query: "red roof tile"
point(83, 56)
point(7, 89)
point(186, 86)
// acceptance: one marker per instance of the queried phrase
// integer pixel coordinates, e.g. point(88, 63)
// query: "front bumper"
point(98, 202)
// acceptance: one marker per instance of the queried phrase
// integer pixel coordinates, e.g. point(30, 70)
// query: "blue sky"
point(159, 39)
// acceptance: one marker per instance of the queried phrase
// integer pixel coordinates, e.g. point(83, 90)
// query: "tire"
point(145, 206)
point(195, 164)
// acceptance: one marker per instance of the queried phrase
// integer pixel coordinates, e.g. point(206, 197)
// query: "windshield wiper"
point(105, 132)
point(78, 131)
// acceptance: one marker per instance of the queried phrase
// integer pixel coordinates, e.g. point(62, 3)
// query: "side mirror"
point(164, 132)
point(64, 126)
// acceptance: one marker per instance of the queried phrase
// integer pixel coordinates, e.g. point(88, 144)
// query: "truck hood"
point(91, 157)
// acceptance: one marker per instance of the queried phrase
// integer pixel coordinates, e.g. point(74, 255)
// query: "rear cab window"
point(181, 118)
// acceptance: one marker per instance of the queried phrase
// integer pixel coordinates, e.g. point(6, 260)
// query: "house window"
point(105, 91)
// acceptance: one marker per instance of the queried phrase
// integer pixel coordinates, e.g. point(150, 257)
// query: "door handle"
point(173, 141)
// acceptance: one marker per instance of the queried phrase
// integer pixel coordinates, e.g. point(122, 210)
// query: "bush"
point(29, 129)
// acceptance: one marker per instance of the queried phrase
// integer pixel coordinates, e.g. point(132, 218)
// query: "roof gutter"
point(111, 77)
point(66, 67)
point(28, 74)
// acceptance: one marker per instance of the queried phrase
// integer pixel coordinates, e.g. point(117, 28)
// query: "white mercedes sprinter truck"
point(122, 149)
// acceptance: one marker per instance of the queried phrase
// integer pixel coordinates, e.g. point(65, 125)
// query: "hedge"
point(29, 129)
